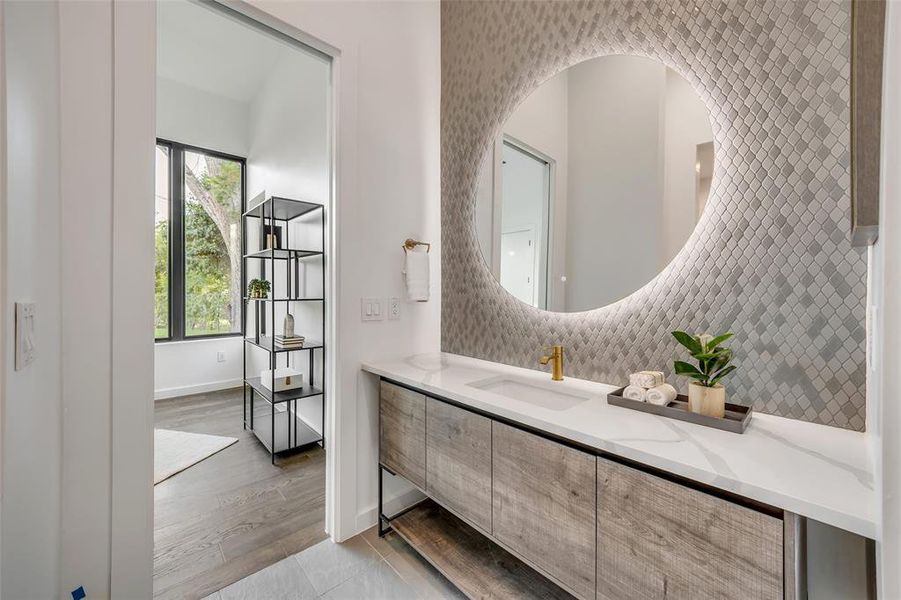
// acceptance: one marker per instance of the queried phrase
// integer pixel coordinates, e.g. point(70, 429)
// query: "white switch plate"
point(220, 356)
point(25, 334)
point(394, 308)
point(371, 309)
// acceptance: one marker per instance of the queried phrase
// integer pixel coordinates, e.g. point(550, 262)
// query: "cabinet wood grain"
point(657, 539)
point(544, 506)
point(402, 432)
point(458, 461)
point(476, 565)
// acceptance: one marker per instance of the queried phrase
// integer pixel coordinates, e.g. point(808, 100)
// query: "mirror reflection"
point(596, 183)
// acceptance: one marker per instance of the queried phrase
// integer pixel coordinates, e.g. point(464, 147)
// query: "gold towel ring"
point(410, 243)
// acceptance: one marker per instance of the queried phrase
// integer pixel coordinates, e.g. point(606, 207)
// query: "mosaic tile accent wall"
point(770, 258)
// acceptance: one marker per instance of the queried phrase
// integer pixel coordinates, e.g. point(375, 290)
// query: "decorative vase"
point(709, 401)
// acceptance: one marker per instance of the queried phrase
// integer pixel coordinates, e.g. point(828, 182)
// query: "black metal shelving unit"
point(285, 430)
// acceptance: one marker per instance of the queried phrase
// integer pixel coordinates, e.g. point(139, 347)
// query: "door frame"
point(548, 211)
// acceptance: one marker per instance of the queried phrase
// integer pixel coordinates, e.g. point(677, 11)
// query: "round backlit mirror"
point(596, 182)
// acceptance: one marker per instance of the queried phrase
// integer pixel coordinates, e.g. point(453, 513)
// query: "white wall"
point(288, 153)
point(614, 147)
point(387, 99)
point(197, 117)
point(31, 408)
point(686, 125)
point(192, 367)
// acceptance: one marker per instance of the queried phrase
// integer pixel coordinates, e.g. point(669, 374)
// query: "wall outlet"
point(394, 308)
point(371, 309)
point(25, 334)
point(220, 357)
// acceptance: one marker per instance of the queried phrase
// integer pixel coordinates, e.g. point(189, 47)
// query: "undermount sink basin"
point(550, 395)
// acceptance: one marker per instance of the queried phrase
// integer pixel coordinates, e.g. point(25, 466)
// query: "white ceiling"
point(209, 51)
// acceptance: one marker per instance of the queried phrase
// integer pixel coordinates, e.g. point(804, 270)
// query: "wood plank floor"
point(233, 513)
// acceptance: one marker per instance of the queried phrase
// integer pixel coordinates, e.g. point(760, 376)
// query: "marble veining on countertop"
point(821, 472)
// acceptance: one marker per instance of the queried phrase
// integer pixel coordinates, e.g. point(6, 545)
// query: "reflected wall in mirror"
point(595, 184)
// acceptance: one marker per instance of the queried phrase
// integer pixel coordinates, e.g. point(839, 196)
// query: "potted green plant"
point(258, 288)
point(706, 395)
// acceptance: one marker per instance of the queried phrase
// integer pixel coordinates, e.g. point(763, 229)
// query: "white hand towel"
point(635, 392)
point(416, 275)
point(646, 379)
point(662, 395)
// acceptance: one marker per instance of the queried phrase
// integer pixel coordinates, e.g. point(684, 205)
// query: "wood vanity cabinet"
point(657, 539)
point(458, 461)
point(544, 507)
point(402, 432)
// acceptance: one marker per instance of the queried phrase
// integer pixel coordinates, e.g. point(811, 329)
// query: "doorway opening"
point(525, 226)
point(242, 296)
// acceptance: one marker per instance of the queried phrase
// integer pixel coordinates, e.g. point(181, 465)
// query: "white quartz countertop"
point(820, 472)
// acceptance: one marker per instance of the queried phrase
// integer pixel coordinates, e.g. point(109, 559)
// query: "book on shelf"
point(289, 342)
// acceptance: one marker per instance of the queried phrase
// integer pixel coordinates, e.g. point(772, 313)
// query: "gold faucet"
point(556, 360)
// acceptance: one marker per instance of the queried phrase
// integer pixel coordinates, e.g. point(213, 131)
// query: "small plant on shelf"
point(258, 288)
point(706, 395)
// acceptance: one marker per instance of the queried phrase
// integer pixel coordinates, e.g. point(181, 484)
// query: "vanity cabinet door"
point(402, 432)
point(658, 539)
point(544, 506)
point(458, 461)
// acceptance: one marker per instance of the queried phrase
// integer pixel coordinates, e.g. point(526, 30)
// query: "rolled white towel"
point(662, 394)
point(416, 275)
point(635, 392)
point(646, 379)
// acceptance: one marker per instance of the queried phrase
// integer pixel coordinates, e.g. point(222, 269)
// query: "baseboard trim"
point(369, 517)
point(200, 388)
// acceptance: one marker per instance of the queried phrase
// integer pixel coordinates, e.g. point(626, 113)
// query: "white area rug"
point(175, 451)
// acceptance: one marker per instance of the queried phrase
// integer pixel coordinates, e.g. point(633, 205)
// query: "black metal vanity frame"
point(795, 553)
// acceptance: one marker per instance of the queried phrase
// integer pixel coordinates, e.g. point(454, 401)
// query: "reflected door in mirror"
point(524, 225)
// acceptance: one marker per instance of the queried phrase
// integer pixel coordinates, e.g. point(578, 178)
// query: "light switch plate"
point(371, 309)
point(394, 308)
point(25, 334)
point(220, 356)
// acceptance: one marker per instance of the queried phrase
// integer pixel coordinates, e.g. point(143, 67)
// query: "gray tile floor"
point(364, 567)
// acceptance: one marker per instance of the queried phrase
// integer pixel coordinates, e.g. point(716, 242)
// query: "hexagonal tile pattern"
point(770, 258)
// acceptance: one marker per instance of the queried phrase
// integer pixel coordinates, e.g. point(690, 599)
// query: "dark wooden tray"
point(736, 419)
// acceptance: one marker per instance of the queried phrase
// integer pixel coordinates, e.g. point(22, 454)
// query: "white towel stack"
point(635, 392)
point(646, 379)
point(649, 386)
point(416, 275)
point(662, 394)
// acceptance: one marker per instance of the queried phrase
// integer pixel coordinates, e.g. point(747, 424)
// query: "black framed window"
point(200, 196)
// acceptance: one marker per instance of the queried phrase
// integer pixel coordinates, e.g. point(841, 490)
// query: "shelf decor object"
point(706, 395)
point(272, 408)
point(735, 416)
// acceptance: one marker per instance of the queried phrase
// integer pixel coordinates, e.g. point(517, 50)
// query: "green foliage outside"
point(161, 280)
point(212, 252)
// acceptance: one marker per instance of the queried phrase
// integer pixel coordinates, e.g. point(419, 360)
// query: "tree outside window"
point(211, 200)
